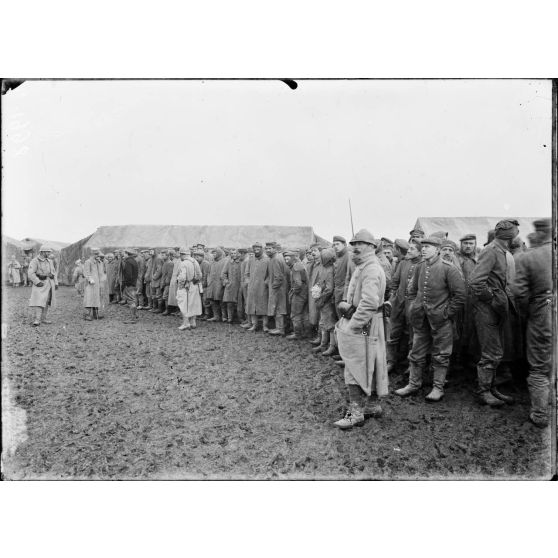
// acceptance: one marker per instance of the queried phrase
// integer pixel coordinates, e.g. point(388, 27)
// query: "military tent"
point(164, 236)
point(456, 227)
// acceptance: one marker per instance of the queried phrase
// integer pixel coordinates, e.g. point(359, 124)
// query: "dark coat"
point(438, 291)
point(257, 297)
point(130, 272)
point(278, 276)
point(326, 302)
point(156, 271)
point(340, 265)
point(231, 279)
point(166, 274)
point(215, 288)
point(298, 293)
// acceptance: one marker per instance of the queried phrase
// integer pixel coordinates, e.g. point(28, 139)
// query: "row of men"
point(17, 272)
point(434, 292)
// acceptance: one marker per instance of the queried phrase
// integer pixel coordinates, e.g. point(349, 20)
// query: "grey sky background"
point(78, 155)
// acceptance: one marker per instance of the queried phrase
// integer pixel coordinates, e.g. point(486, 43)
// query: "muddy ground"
point(106, 400)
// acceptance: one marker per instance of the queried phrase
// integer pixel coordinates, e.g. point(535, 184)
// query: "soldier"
point(278, 283)
point(188, 293)
point(166, 276)
point(360, 334)
point(77, 277)
point(492, 303)
point(92, 294)
point(156, 290)
point(257, 296)
point(147, 279)
point(130, 282)
point(439, 293)
point(387, 248)
point(467, 258)
point(400, 248)
point(400, 303)
point(534, 291)
point(313, 311)
point(231, 279)
point(322, 292)
point(416, 233)
point(205, 266)
point(44, 280)
point(14, 268)
point(243, 291)
point(25, 269)
point(215, 287)
point(141, 260)
point(298, 294)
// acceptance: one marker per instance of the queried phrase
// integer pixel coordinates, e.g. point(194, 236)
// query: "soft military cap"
point(288, 253)
point(272, 244)
point(401, 244)
point(432, 240)
point(543, 225)
point(338, 238)
point(469, 236)
point(45, 248)
point(364, 236)
point(386, 241)
point(185, 251)
point(257, 245)
point(416, 231)
point(242, 250)
point(447, 243)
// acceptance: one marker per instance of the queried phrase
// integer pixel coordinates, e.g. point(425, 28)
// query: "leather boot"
point(44, 316)
point(439, 380)
point(415, 381)
point(279, 325)
point(316, 341)
point(539, 392)
point(323, 342)
point(265, 321)
point(485, 377)
point(372, 408)
point(165, 307)
point(332, 349)
point(499, 395)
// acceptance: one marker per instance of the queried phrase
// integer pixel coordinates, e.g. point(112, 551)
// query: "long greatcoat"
point(257, 296)
point(188, 293)
point(365, 355)
point(112, 276)
point(231, 279)
point(215, 287)
point(326, 302)
point(92, 292)
point(313, 311)
point(42, 296)
point(278, 275)
point(173, 287)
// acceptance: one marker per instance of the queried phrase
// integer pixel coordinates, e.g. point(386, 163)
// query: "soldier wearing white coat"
point(42, 275)
point(360, 333)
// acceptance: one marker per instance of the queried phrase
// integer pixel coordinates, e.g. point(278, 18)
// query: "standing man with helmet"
point(360, 333)
point(492, 303)
point(44, 282)
point(534, 291)
point(439, 293)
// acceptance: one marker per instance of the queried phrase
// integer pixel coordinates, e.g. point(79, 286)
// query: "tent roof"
point(32, 242)
point(459, 226)
point(164, 236)
point(9, 240)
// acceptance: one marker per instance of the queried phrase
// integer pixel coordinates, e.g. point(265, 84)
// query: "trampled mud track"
point(106, 400)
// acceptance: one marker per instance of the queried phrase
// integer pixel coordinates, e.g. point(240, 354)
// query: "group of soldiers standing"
point(372, 305)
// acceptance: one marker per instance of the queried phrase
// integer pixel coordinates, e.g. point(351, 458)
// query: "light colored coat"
point(92, 292)
point(257, 296)
point(40, 295)
point(365, 355)
point(188, 293)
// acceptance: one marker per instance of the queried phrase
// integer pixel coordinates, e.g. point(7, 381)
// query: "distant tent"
point(35, 243)
point(457, 227)
point(166, 236)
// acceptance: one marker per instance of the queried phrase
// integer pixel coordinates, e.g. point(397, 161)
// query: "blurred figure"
point(314, 264)
point(215, 287)
point(231, 279)
point(416, 233)
point(205, 266)
point(166, 278)
point(78, 278)
point(141, 260)
point(278, 281)
point(25, 269)
point(130, 282)
point(111, 264)
point(534, 291)
point(92, 292)
point(323, 294)
point(243, 290)
point(14, 268)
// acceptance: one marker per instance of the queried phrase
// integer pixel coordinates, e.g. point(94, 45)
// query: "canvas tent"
point(460, 226)
point(165, 236)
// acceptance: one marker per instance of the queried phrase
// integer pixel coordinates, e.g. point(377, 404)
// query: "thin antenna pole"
point(351, 214)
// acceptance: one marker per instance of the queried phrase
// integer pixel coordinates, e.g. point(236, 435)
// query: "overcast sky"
point(78, 155)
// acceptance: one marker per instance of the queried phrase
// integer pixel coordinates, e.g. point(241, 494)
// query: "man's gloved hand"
point(343, 307)
point(40, 284)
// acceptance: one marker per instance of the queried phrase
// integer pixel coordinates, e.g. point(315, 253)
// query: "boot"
point(415, 381)
point(160, 306)
point(38, 316)
point(317, 340)
point(539, 394)
point(165, 307)
point(265, 321)
point(88, 316)
point(485, 378)
point(44, 316)
point(193, 324)
point(439, 379)
point(372, 408)
point(340, 363)
point(499, 395)
point(216, 307)
point(324, 340)
point(332, 349)
point(353, 417)
point(279, 325)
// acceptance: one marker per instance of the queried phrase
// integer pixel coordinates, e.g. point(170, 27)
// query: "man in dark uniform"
point(400, 301)
point(439, 293)
point(467, 258)
point(416, 233)
point(129, 283)
point(534, 291)
point(298, 294)
point(492, 303)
